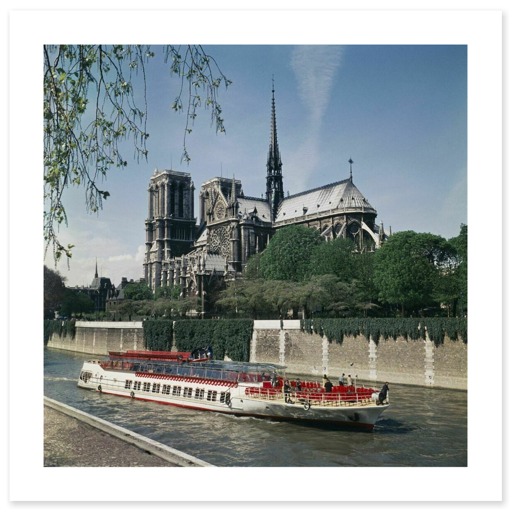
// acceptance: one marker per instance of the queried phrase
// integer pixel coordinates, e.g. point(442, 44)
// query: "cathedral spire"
point(232, 197)
point(274, 165)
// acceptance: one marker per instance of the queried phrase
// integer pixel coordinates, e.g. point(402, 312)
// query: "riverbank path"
point(73, 438)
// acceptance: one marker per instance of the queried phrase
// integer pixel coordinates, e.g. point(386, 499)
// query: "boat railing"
point(313, 397)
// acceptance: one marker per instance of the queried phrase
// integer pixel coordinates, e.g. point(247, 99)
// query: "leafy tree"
point(452, 286)
point(367, 292)
point(176, 306)
point(167, 292)
point(460, 243)
point(138, 291)
point(95, 98)
point(249, 298)
point(342, 298)
point(54, 291)
point(288, 254)
point(282, 297)
point(407, 268)
point(127, 309)
point(76, 302)
point(334, 257)
point(252, 269)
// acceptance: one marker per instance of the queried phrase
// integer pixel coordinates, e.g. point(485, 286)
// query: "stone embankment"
point(73, 438)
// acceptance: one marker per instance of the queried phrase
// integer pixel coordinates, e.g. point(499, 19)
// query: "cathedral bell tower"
point(274, 166)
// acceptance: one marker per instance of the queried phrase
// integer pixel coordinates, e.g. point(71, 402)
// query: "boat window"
point(187, 392)
point(128, 384)
point(136, 385)
point(156, 388)
point(212, 396)
point(166, 389)
point(146, 386)
point(176, 391)
point(199, 393)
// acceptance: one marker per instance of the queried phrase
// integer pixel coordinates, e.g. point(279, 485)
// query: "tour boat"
point(194, 381)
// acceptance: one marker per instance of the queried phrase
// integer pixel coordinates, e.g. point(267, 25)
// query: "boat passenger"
point(298, 385)
point(287, 388)
point(342, 380)
point(328, 386)
point(349, 380)
point(383, 394)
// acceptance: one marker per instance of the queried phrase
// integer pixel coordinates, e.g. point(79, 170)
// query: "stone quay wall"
point(101, 337)
point(418, 362)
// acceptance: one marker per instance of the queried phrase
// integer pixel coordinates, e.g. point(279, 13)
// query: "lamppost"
point(203, 293)
point(200, 273)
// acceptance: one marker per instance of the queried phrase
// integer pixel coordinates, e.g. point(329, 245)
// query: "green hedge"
point(226, 337)
point(335, 329)
point(157, 334)
point(61, 327)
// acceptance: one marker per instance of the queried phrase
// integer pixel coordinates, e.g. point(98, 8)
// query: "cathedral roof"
point(342, 195)
point(250, 205)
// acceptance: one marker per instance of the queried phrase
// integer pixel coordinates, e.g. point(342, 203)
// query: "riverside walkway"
point(73, 438)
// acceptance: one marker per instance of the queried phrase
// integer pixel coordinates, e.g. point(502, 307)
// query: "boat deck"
point(340, 396)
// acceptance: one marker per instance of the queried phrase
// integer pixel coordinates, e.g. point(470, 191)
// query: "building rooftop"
point(340, 195)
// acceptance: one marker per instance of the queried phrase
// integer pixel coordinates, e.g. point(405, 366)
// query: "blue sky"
point(399, 111)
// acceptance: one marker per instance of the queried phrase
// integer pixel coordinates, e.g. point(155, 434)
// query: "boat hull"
point(235, 398)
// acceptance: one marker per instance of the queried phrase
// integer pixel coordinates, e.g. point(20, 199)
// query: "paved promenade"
point(73, 438)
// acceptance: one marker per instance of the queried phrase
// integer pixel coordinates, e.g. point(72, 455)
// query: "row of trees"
point(66, 301)
point(166, 302)
point(412, 274)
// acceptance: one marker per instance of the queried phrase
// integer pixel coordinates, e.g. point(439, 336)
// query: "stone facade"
point(418, 362)
point(170, 226)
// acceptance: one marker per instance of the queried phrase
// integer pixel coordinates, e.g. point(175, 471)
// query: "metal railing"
point(313, 397)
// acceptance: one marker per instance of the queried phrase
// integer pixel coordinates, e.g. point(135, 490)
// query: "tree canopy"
point(138, 291)
point(76, 302)
point(408, 268)
point(458, 293)
point(95, 98)
point(54, 291)
point(288, 254)
point(334, 257)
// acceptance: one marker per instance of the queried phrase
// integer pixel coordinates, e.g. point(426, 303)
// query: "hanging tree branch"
point(91, 107)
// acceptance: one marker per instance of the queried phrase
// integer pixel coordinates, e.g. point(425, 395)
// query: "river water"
point(422, 428)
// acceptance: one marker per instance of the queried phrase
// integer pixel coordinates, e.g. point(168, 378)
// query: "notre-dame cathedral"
point(232, 226)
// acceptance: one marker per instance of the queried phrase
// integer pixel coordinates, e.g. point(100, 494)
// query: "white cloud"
point(141, 252)
point(315, 69)
point(96, 244)
point(121, 257)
